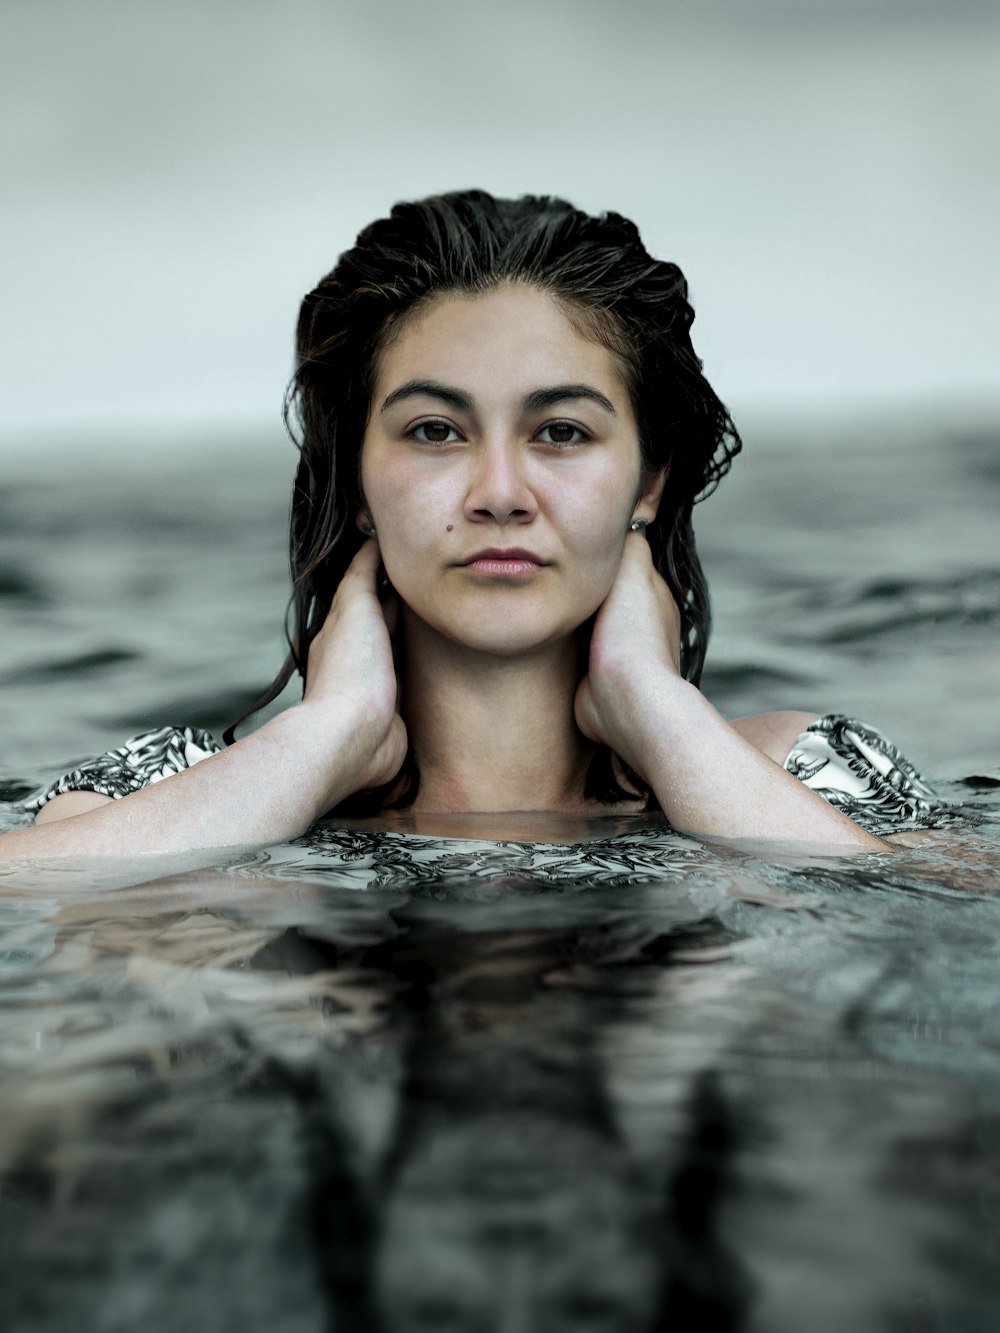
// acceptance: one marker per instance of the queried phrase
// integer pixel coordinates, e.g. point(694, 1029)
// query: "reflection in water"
point(272, 1104)
point(507, 1197)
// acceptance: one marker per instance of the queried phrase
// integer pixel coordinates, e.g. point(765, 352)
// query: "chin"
point(504, 637)
point(504, 626)
point(503, 647)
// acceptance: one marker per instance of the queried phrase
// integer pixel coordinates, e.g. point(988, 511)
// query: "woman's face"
point(496, 427)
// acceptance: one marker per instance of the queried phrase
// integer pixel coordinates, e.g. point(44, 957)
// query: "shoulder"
point(854, 766)
point(774, 734)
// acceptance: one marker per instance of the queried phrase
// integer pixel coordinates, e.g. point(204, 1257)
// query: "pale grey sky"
point(177, 174)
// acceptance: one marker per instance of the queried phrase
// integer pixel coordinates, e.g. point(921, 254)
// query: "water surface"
point(636, 1082)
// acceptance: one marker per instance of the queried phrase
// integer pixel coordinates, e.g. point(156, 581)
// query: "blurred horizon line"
point(115, 439)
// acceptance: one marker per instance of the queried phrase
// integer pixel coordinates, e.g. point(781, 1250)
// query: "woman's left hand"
point(707, 778)
point(634, 656)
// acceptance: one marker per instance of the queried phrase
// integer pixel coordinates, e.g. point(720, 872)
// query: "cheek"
point(594, 529)
point(411, 525)
point(587, 515)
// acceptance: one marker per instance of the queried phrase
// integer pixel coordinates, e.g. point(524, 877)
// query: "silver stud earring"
point(639, 525)
point(370, 531)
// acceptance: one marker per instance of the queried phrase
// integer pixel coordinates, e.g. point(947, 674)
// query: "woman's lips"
point(512, 564)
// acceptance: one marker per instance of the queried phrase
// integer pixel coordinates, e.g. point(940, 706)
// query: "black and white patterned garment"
point(147, 758)
point(861, 772)
point(852, 765)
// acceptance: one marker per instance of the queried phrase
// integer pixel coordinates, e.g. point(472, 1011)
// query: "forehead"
point(517, 335)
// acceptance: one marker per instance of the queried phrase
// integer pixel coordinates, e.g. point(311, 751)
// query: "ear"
point(648, 502)
point(362, 520)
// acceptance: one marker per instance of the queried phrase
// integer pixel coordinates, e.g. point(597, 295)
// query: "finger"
point(637, 545)
point(636, 557)
point(364, 566)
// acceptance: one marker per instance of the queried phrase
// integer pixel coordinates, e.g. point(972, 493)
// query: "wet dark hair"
point(470, 243)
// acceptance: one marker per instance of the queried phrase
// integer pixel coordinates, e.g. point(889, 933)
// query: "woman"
point(499, 406)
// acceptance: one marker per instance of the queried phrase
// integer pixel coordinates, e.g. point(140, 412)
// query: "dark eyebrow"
point(562, 393)
point(533, 402)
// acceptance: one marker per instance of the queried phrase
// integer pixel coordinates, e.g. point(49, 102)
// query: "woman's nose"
point(499, 487)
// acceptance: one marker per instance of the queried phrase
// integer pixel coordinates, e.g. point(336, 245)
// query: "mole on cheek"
point(451, 527)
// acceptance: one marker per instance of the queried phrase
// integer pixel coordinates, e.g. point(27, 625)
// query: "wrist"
point(639, 715)
point(321, 750)
point(665, 708)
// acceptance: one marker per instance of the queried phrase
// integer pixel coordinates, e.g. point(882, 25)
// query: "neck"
point(493, 733)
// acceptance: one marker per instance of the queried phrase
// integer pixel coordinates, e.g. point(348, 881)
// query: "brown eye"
point(436, 432)
point(561, 432)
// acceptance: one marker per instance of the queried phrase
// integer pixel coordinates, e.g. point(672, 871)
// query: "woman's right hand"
point(351, 670)
point(271, 785)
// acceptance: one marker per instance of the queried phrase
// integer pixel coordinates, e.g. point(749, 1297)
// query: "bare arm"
point(708, 777)
point(773, 734)
point(69, 803)
point(273, 784)
point(264, 789)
